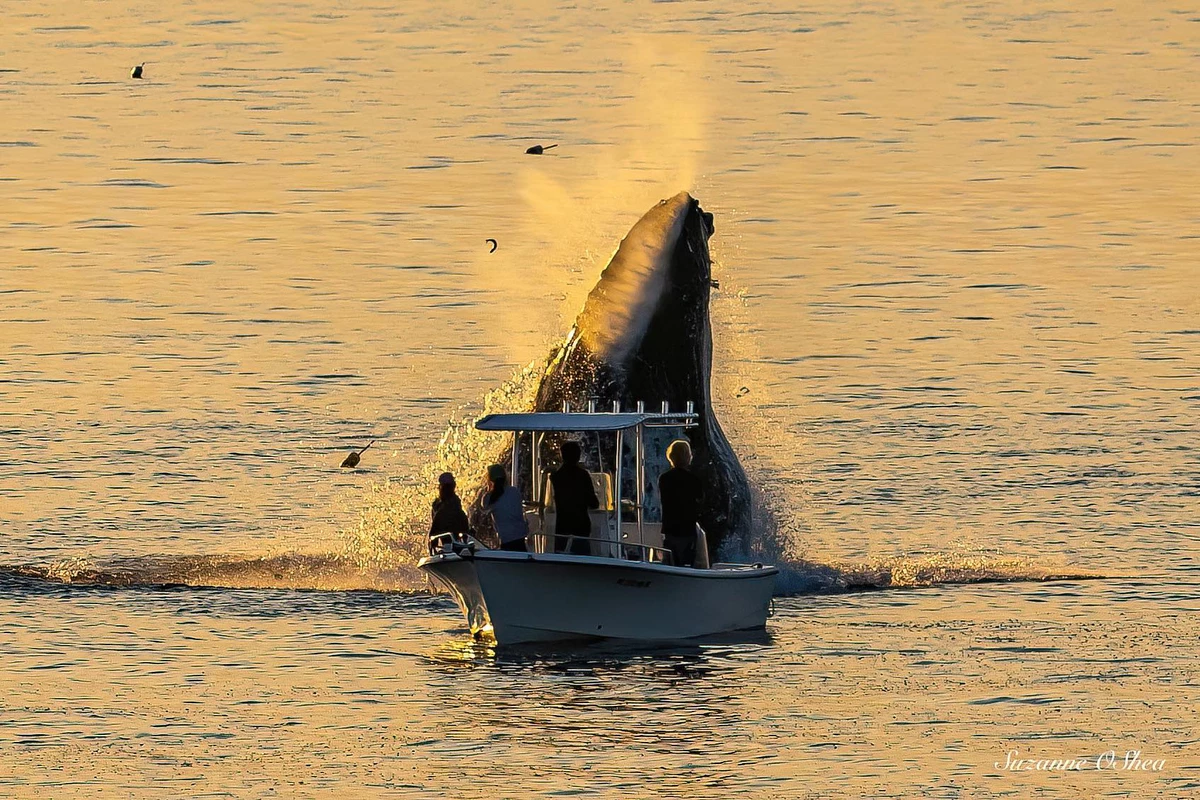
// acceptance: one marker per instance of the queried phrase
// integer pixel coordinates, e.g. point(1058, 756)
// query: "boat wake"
point(322, 572)
point(328, 572)
point(915, 572)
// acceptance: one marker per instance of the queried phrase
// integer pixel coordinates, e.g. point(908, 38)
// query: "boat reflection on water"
point(690, 658)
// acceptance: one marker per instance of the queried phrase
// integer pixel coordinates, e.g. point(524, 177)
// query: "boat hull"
point(538, 597)
point(456, 575)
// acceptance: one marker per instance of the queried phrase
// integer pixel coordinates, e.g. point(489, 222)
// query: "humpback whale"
point(644, 336)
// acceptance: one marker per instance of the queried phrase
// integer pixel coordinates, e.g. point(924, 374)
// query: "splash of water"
point(392, 528)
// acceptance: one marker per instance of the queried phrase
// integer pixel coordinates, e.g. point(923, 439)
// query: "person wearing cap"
point(574, 495)
point(448, 514)
point(681, 494)
point(503, 503)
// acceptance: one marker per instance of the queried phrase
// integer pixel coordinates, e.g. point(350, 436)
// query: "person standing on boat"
point(448, 514)
point(503, 503)
point(681, 494)
point(574, 495)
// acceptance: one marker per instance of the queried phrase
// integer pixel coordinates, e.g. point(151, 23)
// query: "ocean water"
point(958, 350)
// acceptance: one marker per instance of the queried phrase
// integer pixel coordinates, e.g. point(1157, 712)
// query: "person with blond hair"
point(681, 494)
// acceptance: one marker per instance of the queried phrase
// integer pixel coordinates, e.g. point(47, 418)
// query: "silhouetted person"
point(448, 514)
point(503, 503)
point(681, 493)
point(573, 496)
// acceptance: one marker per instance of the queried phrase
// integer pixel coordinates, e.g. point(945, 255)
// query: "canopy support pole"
point(535, 473)
point(515, 463)
point(640, 455)
point(617, 484)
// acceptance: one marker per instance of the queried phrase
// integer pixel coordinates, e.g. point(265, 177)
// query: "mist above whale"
point(644, 335)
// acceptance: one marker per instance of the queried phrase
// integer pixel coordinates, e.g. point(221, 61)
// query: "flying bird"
point(352, 460)
point(137, 71)
point(537, 149)
point(494, 244)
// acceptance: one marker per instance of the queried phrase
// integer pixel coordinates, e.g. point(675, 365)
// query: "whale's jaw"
point(644, 335)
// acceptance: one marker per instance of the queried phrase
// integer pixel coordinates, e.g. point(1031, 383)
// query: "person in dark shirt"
point(681, 493)
point(573, 496)
point(448, 514)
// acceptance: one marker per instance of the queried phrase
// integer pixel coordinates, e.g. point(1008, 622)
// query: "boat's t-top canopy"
point(574, 422)
point(537, 424)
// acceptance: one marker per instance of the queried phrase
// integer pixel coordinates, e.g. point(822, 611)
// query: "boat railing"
point(448, 542)
point(445, 543)
point(630, 551)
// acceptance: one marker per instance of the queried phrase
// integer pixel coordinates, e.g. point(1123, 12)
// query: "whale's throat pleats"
point(619, 308)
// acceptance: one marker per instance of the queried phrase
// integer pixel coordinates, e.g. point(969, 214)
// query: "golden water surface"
point(958, 337)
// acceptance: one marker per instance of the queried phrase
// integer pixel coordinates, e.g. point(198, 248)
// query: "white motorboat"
point(626, 587)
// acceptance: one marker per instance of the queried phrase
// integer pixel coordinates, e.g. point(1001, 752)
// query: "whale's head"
point(644, 331)
point(645, 278)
